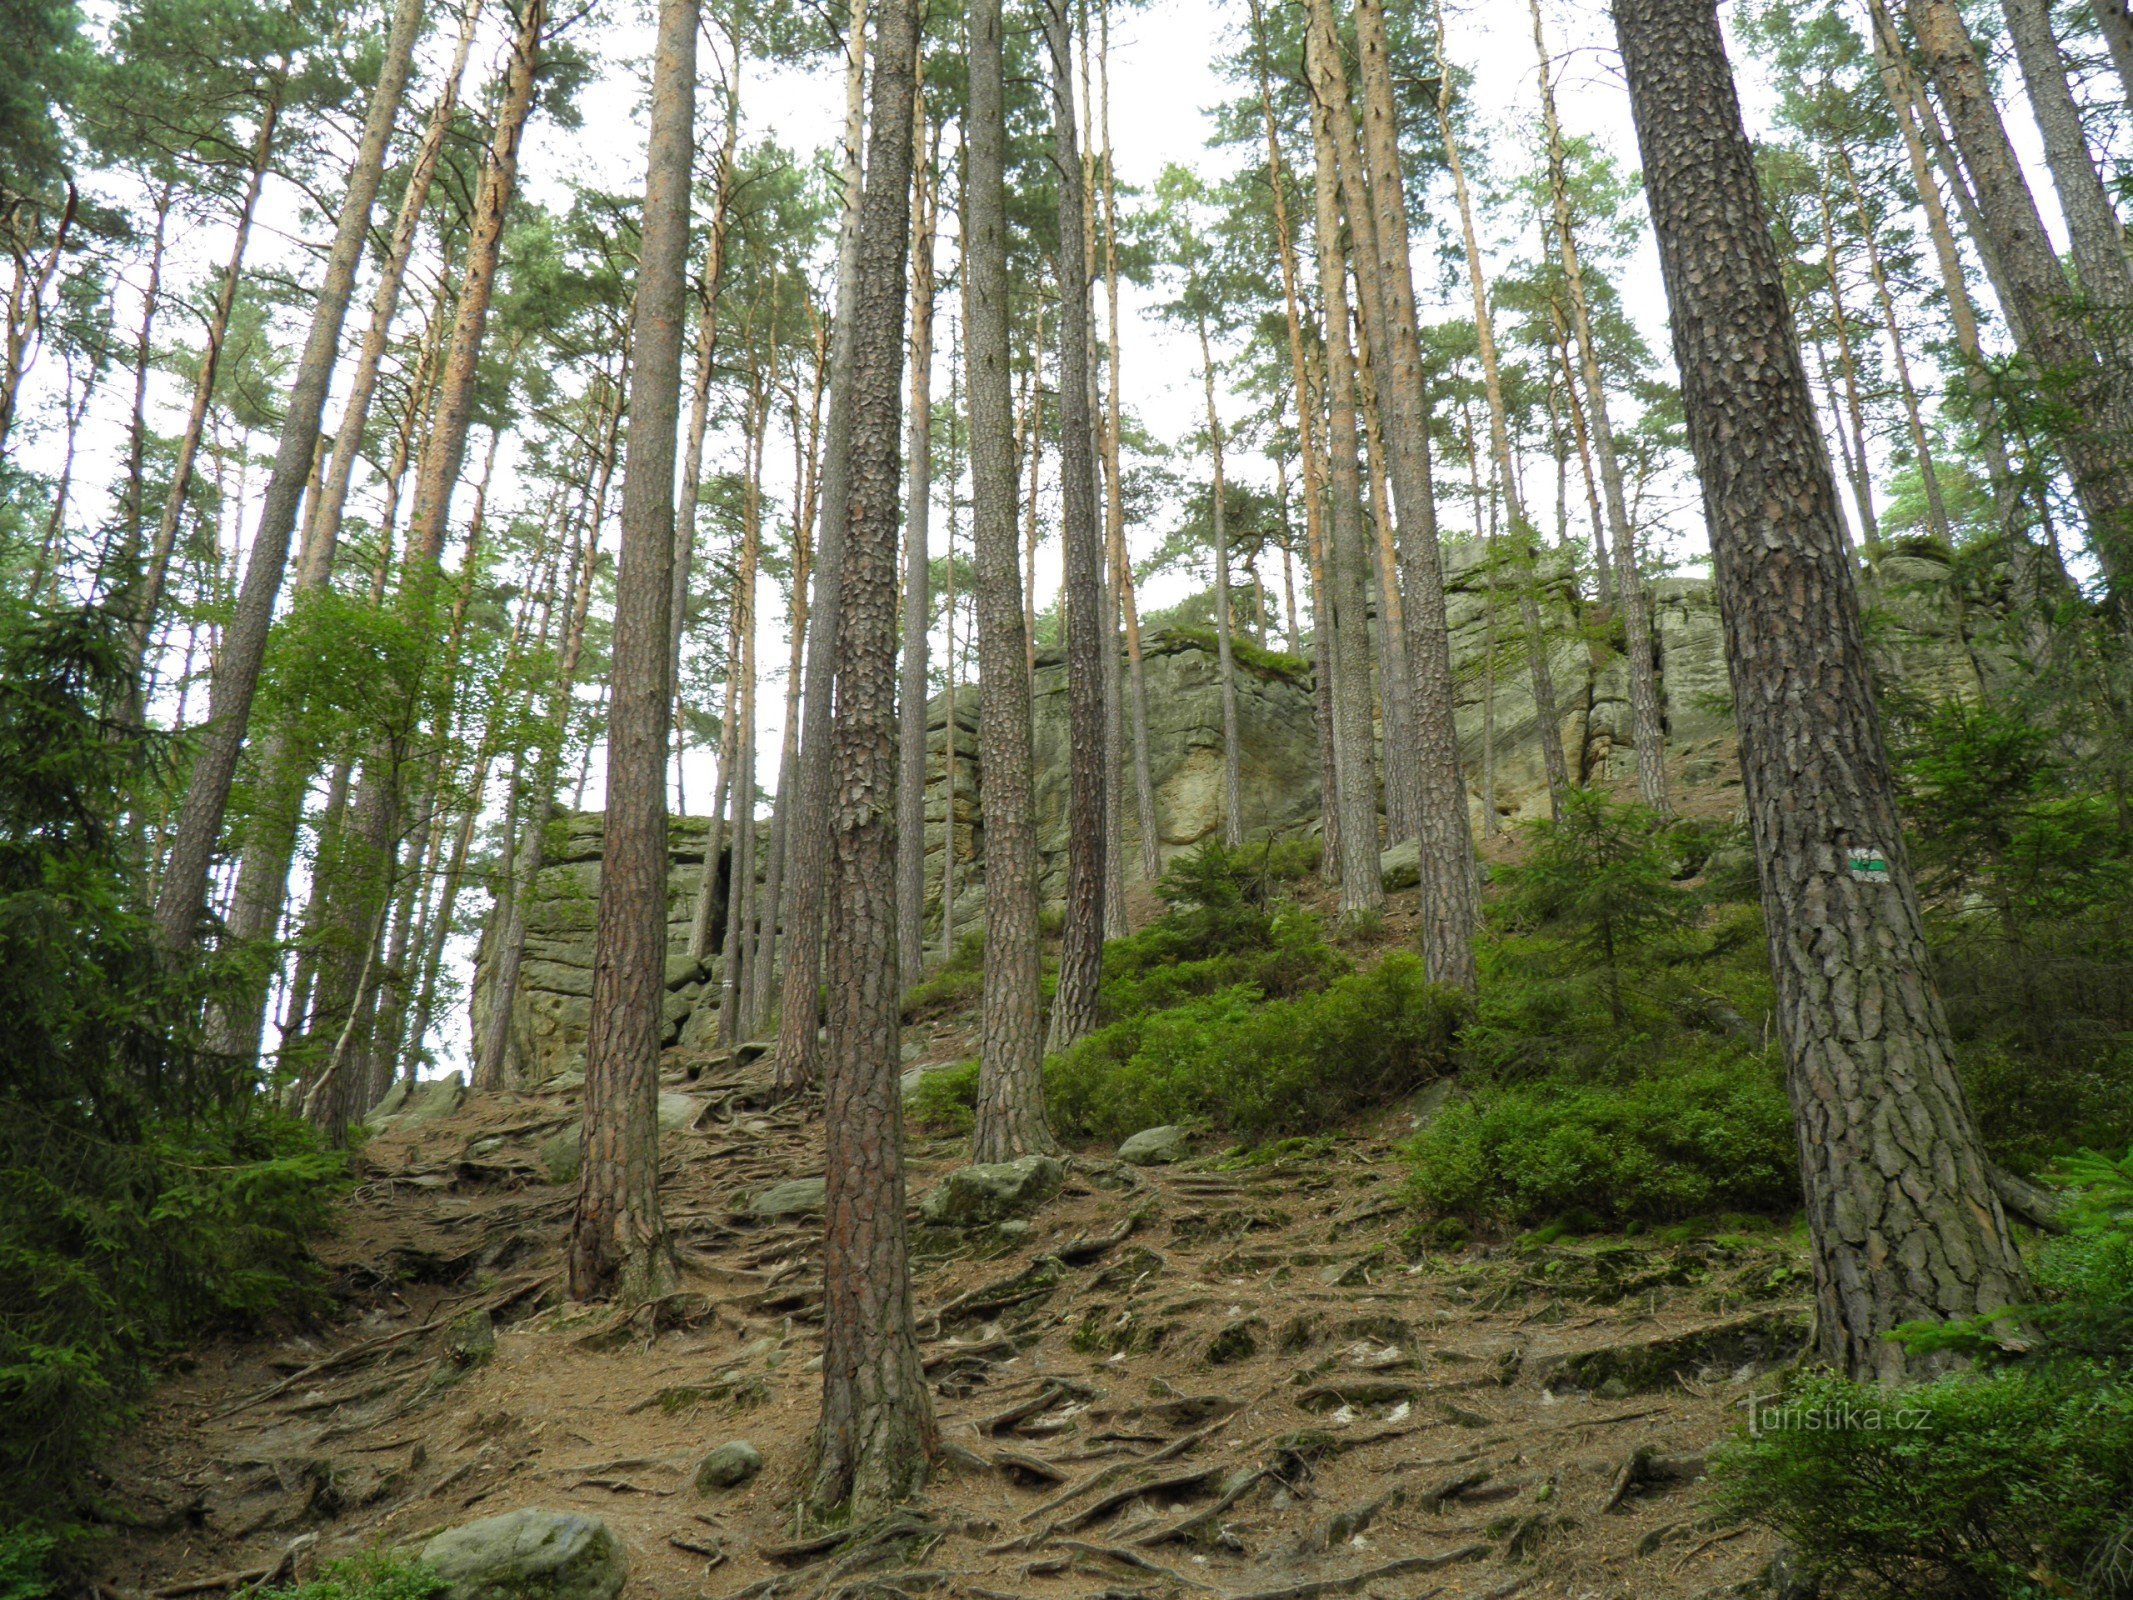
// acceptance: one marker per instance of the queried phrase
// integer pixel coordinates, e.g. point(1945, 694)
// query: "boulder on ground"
point(729, 1466)
point(972, 1197)
point(1401, 866)
point(529, 1555)
point(678, 1112)
point(1154, 1147)
point(799, 1197)
point(560, 1155)
point(470, 1339)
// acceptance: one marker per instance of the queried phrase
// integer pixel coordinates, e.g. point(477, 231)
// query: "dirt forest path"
point(1202, 1379)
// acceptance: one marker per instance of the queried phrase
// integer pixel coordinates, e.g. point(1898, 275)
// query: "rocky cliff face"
point(1928, 638)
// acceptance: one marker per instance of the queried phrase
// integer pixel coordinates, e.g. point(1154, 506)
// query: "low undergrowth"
point(2012, 1480)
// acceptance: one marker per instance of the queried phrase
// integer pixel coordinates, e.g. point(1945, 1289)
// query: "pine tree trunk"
point(741, 887)
point(1225, 666)
point(1081, 949)
point(2114, 20)
point(1446, 840)
point(1151, 859)
point(877, 1430)
point(144, 591)
point(692, 470)
point(1903, 1214)
point(1647, 729)
point(618, 1238)
point(1313, 481)
point(244, 647)
point(528, 848)
point(2092, 224)
point(1010, 1110)
point(918, 598)
point(1362, 890)
point(798, 1055)
point(2097, 390)
point(1525, 538)
point(950, 733)
point(1403, 779)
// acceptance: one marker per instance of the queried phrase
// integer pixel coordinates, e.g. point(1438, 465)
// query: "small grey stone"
point(798, 1198)
point(729, 1466)
point(1154, 1147)
point(971, 1197)
point(530, 1555)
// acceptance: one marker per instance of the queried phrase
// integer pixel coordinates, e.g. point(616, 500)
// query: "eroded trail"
point(1223, 1380)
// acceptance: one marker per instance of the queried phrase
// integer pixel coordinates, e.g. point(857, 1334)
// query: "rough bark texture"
point(1646, 731)
point(1010, 1112)
point(618, 1243)
point(1081, 947)
point(877, 1427)
point(798, 1055)
point(1346, 618)
point(1905, 1221)
point(244, 639)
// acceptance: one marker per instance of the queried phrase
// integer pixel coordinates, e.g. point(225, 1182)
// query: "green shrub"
point(1258, 1068)
point(947, 1100)
point(1694, 1139)
point(26, 1563)
point(367, 1577)
point(2005, 1487)
point(2012, 1480)
point(955, 984)
point(147, 1189)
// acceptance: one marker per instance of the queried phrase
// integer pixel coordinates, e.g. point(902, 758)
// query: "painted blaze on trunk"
point(1905, 1222)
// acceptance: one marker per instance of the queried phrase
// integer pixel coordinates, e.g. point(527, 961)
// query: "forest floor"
point(1222, 1378)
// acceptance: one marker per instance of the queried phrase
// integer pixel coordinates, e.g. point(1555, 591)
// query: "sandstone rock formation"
point(1930, 638)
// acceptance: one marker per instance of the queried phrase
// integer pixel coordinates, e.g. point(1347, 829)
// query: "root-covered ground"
point(1222, 1377)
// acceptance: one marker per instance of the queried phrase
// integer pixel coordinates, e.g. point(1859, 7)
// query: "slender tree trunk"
point(951, 733)
point(2097, 390)
point(1010, 1111)
point(1447, 841)
point(618, 1236)
point(1647, 730)
point(1549, 728)
point(2114, 20)
point(1313, 481)
point(144, 591)
point(528, 849)
point(741, 887)
point(1081, 950)
point(143, 362)
point(805, 467)
point(692, 470)
point(236, 681)
point(1840, 318)
point(918, 599)
point(1362, 890)
point(1403, 779)
point(2093, 228)
point(797, 1056)
point(877, 1430)
point(1225, 666)
point(1899, 1199)
point(1151, 857)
